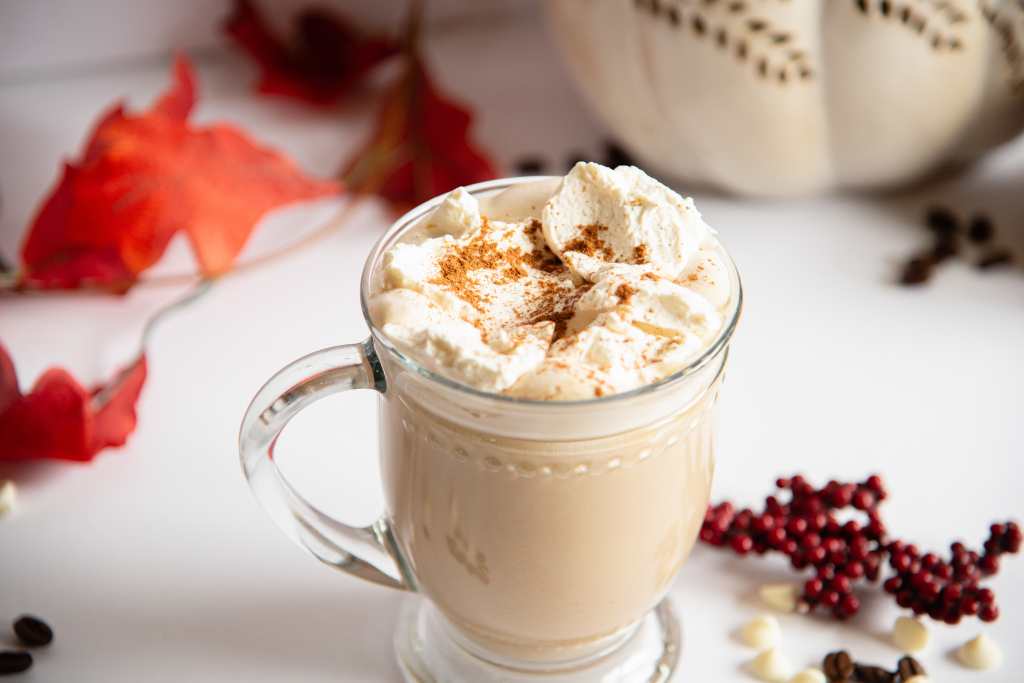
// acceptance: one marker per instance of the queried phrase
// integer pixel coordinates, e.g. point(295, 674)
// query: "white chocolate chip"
point(8, 497)
point(780, 596)
point(918, 679)
point(910, 635)
point(771, 666)
point(980, 653)
point(761, 632)
point(812, 676)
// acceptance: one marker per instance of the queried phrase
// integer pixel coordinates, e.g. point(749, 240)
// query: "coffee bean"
point(574, 158)
point(941, 221)
point(909, 667)
point(980, 229)
point(917, 270)
point(14, 662)
point(33, 631)
point(998, 257)
point(615, 155)
point(945, 248)
point(866, 673)
point(838, 666)
point(530, 166)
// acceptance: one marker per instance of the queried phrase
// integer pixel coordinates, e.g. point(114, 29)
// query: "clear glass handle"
point(367, 552)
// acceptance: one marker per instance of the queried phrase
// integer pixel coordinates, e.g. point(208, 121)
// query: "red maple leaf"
point(144, 177)
point(421, 146)
point(320, 63)
point(60, 419)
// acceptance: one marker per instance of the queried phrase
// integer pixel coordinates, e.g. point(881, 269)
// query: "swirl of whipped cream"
point(595, 285)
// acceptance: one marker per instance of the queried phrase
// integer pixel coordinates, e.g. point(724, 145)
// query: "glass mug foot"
point(428, 651)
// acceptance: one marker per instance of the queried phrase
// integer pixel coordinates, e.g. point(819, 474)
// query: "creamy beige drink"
point(544, 527)
point(545, 549)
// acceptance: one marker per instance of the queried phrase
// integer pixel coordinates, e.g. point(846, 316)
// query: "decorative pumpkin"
point(789, 97)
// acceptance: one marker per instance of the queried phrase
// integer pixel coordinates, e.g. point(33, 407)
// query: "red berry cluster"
point(807, 529)
point(949, 591)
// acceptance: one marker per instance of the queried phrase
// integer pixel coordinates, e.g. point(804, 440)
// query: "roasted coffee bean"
point(945, 248)
point(615, 155)
point(867, 673)
point(530, 166)
point(941, 221)
point(574, 158)
point(14, 662)
point(909, 667)
point(838, 666)
point(980, 229)
point(993, 259)
point(33, 631)
point(917, 270)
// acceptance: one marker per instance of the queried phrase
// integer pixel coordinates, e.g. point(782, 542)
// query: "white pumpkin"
point(789, 97)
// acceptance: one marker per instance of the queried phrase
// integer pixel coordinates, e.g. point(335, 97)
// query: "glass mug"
point(539, 538)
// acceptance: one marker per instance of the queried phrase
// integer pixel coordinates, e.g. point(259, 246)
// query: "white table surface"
point(154, 563)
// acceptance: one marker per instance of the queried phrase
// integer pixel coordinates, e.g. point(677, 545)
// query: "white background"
point(154, 563)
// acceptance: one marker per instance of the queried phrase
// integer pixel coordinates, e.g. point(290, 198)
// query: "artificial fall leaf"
point(420, 147)
point(60, 419)
point(145, 177)
point(320, 63)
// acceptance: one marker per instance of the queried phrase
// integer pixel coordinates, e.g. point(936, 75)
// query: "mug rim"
point(410, 217)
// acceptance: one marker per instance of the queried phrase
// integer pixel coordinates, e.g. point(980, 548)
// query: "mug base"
point(426, 653)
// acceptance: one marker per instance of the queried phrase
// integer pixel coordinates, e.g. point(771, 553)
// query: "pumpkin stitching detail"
point(1007, 31)
point(776, 60)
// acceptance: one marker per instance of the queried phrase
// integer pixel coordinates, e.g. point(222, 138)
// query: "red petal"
point(320, 64)
point(145, 177)
point(177, 102)
point(56, 419)
point(116, 418)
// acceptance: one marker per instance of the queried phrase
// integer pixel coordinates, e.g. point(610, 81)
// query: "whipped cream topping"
point(601, 283)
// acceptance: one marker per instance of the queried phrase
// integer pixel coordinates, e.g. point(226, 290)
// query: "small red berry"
point(797, 526)
point(951, 594)
point(988, 613)
point(742, 544)
point(816, 555)
point(859, 548)
point(969, 606)
point(901, 562)
point(841, 583)
point(893, 584)
point(875, 483)
point(810, 540)
point(849, 605)
point(854, 570)
point(813, 588)
point(863, 499)
point(776, 536)
point(830, 598)
point(989, 564)
point(819, 521)
point(986, 596)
